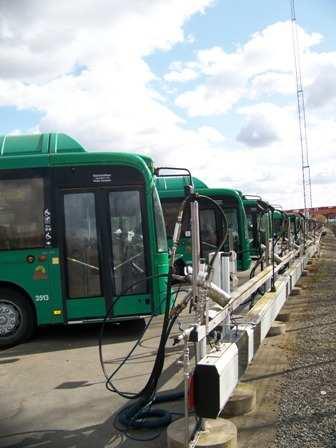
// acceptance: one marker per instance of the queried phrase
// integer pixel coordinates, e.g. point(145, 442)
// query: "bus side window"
point(83, 265)
point(170, 211)
point(127, 242)
point(161, 236)
point(208, 231)
point(21, 213)
point(232, 223)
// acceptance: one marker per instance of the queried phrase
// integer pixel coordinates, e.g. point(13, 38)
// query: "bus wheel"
point(17, 320)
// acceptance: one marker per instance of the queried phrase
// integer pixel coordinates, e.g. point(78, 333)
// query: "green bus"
point(297, 226)
point(80, 232)
point(280, 231)
point(259, 218)
point(172, 192)
point(279, 224)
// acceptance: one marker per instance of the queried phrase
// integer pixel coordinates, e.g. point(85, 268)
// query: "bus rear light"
point(57, 312)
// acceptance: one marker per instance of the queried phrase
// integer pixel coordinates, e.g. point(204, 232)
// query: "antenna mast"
point(306, 180)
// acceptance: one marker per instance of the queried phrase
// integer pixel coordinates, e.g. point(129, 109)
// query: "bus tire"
point(17, 318)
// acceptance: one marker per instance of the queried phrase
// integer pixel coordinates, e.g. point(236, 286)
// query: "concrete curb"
point(283, 317)
point(296, 291)
point(242, 401)
point(277, 329)
point(219, 433)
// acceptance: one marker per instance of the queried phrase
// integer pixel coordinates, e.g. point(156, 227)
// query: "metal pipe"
point(196, 255)
point(186, 368)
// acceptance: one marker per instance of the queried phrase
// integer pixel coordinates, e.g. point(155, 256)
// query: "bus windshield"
point(211, 225)
point(277, 226)
point(170, 211)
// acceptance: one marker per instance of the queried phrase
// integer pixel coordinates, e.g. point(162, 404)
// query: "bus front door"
point(103, 251)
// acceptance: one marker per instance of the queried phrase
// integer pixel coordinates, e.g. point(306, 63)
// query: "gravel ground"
point(307, 407)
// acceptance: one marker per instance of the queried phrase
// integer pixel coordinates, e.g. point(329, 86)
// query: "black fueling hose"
point(140, 414)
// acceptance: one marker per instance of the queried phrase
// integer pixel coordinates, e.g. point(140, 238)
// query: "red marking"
point(191, 394)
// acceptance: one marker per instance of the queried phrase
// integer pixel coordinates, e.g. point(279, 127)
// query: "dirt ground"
point(287, 369)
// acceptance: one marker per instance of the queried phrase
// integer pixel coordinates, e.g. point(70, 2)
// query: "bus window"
point(277, 227)
point(253, 227)
point(21, 213)
point(250, 224)
point(81, 245)
point(127, 242)
point(232, 223)
point(170, 211)
point(208, 231)
point(161, 236)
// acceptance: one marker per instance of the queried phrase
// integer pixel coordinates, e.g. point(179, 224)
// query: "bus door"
point(102, 250)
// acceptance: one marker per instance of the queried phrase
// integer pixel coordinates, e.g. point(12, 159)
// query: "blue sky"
point(196, 83)
point(12, 118)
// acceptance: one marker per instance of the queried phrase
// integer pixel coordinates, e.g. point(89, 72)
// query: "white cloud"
point(109, 102)
point(41, 40)
point(186, 74)
point(258, 71)
point(209, 100)
point(262, 67)
point(211, 134)
point(322, 90)
point(87, 73)
point(257, 131)
point(325, 177)
point(266, 84)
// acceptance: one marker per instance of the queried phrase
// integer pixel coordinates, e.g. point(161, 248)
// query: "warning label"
point(101, 178)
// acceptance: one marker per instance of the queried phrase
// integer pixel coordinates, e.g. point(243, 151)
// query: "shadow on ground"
point(60, 337)
point(106, 434)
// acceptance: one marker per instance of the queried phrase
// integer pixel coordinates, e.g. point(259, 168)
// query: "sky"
point(203, 84)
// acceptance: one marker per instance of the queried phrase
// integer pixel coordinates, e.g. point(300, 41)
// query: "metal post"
point(230, 239)
point(198, 299)
point(196, 255)
point(225, 268)
point(225, 272)
point(186, 367)
point(273, 258)
point(267, 243)
point(199, 295)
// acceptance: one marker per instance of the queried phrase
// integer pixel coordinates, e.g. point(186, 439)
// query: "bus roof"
point(148, 161)
point(37, 144)
point(256, 202)
point(225, 192)
point(166, 184)
point(278, 215)
point(249, 202)
point(295, 215)
point(173, 187)
point(46, 150)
